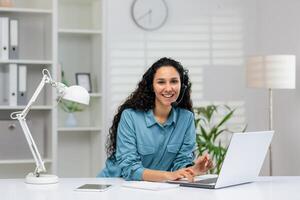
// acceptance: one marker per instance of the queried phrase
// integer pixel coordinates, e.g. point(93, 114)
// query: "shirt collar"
point(150, 119)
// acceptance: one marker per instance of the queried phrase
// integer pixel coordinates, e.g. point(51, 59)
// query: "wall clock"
point(149, 14)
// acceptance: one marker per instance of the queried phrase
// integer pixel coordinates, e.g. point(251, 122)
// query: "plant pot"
point(71, 120)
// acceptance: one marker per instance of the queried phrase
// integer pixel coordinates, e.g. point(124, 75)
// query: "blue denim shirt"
point(143, 143)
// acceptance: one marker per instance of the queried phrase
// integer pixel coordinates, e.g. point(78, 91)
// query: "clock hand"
point(150, 16)
point(144, 15)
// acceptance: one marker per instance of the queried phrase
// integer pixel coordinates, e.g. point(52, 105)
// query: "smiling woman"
point(166, 86)
point(152, 138)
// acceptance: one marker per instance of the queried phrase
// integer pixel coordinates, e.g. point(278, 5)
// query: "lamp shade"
point(271, 71)
point(77, 94)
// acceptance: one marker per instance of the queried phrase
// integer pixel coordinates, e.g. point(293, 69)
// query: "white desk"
point(266, 188)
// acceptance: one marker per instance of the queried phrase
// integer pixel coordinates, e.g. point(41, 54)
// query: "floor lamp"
point(271, 72)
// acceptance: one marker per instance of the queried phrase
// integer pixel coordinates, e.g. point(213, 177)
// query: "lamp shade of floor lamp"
point(271, 72)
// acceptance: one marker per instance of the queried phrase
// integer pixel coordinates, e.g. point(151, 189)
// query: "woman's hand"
point(202, 165)
point(181, 173)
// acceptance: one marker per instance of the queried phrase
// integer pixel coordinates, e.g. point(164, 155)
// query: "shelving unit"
point(79, 129)
point(35, 43)
point(26, 10)
point(30, 62)
point(23, 161)
point(22, 107)
point(80, 31)
point(58, 35)
point(80, 51)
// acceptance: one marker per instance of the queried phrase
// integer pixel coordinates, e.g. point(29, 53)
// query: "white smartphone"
point(93, 187)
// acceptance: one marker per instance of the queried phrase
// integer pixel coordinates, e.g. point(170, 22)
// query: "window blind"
point(205, 42)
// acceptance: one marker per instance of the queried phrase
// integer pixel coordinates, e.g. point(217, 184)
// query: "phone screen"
point(96, 187)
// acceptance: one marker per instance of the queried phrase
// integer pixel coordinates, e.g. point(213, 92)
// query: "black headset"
point(182, 89)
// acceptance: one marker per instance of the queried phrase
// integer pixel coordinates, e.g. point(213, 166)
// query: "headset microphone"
point(175, 103)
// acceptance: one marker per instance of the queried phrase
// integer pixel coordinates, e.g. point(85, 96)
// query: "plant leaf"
point(226, 118)
point(208, 133)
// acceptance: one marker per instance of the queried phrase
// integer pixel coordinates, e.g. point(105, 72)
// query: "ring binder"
point(4, 38)
point(13, 34)
point(13, 84)
point(22, 85)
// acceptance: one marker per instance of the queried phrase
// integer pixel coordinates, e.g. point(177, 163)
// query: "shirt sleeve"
point(126, 153)
point(186, 154)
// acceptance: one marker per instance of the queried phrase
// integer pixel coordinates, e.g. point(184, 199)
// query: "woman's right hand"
point(181, 173)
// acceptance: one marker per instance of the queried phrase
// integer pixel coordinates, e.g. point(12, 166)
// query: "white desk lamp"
point(73, 93)
point(271, 72)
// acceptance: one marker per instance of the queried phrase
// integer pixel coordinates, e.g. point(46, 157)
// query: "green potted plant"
point(69, 107)
point(209, 131)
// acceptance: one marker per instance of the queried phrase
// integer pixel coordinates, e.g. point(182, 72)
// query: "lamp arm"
point(60, 87)
point(21, 117)
point(40, 167)
point(38, 90)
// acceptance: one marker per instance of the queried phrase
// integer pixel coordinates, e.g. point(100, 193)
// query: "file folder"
point(3, 86)
point(4, 83)
point(22, 85)
point(13, 71)
point(13, 37)
point(4, 38)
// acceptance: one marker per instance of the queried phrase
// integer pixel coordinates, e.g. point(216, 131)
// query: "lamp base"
point(42, 179)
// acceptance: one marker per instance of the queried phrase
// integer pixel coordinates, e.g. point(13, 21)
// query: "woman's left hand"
point(202, 165)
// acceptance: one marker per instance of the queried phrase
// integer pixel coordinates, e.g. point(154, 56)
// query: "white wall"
point(221, 82)
point(279, 29)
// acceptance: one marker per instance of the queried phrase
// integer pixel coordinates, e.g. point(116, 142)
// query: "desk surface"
point(265, 188)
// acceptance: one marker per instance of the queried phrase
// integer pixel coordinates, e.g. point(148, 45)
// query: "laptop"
point(243, 161)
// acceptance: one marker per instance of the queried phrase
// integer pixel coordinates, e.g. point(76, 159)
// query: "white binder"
point(13, 38)
point(3, 86)
point(13, 71)
point(22, 85)
point(4, 38)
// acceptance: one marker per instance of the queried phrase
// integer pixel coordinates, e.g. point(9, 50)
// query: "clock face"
point(149, 14)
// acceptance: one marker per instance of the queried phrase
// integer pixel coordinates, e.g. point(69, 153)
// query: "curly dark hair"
point(143, 98)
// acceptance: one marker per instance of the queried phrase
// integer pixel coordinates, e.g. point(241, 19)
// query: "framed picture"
point(84, 80)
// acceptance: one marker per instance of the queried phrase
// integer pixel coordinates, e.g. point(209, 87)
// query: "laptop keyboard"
point(207, 181)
